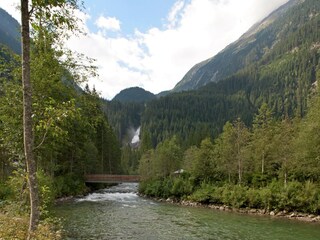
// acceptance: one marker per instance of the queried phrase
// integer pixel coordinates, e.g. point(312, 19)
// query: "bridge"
point(110, 178)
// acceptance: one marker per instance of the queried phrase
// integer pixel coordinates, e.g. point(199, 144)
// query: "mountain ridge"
point(228, 61)
point(9, 31)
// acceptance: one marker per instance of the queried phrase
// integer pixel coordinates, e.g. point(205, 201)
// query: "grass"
point(16, 228)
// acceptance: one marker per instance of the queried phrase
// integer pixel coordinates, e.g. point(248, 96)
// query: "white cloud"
point(158, 58)
point(109, 23)
point(175, 13)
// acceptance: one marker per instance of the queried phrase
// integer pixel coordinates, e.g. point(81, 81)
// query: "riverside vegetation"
point(274, 165)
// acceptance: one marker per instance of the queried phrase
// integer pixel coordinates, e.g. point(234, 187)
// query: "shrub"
point(181, 187)
point(69, 185)
point(254, 198)
point(5, 191)
point(47, 195)
point(203, 193)
point(238, 197)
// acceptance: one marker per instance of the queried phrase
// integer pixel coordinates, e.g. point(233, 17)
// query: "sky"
point(153, 43)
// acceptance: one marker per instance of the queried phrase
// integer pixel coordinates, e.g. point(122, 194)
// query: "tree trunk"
point(102, 157)
point(262, 163)
point(27, 118)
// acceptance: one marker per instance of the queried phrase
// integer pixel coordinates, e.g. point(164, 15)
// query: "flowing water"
point(119, 213)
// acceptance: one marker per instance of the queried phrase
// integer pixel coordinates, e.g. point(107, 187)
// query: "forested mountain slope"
point(9, 31)
point(251, 47)
point(279, 68)
point(124, 117)
point(134, 94)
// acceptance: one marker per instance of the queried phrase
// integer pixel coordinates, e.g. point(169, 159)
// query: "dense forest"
point(272, 165)
point(72, 133)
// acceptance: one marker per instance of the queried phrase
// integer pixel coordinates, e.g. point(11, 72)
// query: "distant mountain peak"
point(9, 31)
point(134, 94)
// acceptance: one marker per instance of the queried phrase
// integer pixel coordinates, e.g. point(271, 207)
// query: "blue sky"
point(133, 14)
point(153, 43)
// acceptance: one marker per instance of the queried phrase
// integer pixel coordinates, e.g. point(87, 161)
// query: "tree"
point(204, 166)
point(226, 150)
point(27, 118)
point(262, 135)
point(260, 146)
point(168, 157)
point(282, 149)
point(241, 135)
point(146, 169)
point(55, 13)
point(306, 145)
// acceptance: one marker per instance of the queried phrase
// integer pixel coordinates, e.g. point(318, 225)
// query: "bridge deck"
point(109, 178)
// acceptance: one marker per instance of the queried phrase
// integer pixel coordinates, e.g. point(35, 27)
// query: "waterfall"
point(136, 137)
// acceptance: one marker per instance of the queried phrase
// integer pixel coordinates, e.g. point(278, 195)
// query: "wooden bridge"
point(109, 178)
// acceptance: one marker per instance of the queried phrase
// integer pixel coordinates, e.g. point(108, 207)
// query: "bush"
point(254, 198)
point(296, 196)
point(310, 198)
point(69, 185)
point(151, 187)
point(266, 198)
point(46, 193)
point(216, 195)
point(236, 196)
point(5, 191)
point(203, 193)
point(181, 187)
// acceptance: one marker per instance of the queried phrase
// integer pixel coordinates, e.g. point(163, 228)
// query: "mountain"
point(276, 62)
point(9, 32)
point(134, 94)
point(252, 46)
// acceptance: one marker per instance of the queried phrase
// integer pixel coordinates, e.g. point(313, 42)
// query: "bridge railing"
point(110, 178)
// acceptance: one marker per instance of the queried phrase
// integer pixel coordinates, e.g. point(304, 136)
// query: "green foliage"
point(72, 134)
point(295, 197)
point(5, 192)
point(273, 166)
point(203, 193)
point(175, 187)
point(46, 193)
point(182, 186)
point(69, 185)
point(161, 162)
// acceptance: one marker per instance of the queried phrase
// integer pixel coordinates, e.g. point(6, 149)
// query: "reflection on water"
point(119, 213)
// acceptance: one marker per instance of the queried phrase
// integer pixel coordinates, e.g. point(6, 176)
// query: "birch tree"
point(27, 117)
point(41, 14)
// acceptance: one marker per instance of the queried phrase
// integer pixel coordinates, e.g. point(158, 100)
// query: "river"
point(119, 213)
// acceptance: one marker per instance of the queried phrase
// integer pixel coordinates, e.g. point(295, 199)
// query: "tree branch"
point(44, 135)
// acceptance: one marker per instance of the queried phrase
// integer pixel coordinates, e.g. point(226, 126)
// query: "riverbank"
point(16, 227)
point(305, 217)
